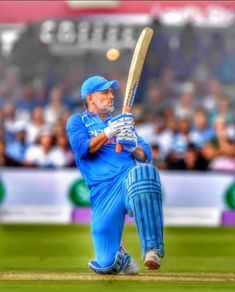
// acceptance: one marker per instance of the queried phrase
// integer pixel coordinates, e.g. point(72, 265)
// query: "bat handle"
point(125, 110)
point(118, 148)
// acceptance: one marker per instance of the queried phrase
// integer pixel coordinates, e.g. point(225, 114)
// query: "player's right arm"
point(79, 139)
point(97, 142)
point(82, 143)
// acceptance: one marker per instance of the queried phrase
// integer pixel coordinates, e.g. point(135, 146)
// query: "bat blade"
point(135, 70)
point(136, 66)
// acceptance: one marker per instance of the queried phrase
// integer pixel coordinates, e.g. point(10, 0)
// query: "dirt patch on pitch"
point(50, 276)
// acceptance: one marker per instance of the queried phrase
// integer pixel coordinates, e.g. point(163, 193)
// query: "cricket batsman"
point(119, 183)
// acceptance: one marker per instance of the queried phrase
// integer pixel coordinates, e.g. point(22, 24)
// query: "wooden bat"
point(135, 70)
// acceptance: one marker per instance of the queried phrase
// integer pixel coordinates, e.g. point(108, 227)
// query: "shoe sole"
point(151, 265)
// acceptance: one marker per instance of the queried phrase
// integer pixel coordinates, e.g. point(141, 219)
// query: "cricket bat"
point(135, 70)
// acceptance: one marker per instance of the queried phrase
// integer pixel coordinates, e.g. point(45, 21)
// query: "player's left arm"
point(139, 154)
point(134, 144)
point(143, 151)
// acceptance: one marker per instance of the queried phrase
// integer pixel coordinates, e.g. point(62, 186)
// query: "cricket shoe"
point(152, 260)
point(132, 268)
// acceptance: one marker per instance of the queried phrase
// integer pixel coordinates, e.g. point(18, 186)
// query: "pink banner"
point(27, 11)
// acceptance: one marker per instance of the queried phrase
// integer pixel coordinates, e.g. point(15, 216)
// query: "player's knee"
point(144, 172)
point(143, 178)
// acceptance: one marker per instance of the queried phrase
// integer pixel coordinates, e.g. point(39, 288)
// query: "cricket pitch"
point(50, 276)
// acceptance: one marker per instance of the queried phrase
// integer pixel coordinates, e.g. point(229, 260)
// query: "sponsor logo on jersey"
point(96, 132)
point(89, 124)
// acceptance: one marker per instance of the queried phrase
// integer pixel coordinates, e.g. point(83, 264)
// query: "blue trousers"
point(110, 202)
point(109, 206)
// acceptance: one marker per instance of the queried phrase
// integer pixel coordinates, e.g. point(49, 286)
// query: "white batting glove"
point(128, 139)
point(119, 123)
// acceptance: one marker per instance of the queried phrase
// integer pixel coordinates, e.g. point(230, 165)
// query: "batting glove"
point(128, 139)
point(119, 123)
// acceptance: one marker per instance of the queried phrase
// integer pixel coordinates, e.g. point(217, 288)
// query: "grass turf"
point(138, 286)
point(56, 248)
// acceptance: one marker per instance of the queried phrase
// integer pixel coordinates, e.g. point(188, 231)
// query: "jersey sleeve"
point(78, 136)
point(146, 148)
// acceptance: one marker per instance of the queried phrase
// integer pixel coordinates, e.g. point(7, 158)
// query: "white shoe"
point(152, 260)
point(132, 268)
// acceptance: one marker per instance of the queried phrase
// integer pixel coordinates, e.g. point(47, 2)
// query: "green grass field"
point(197, 259)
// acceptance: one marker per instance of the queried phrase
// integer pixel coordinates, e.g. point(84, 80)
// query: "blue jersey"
point(105, 164)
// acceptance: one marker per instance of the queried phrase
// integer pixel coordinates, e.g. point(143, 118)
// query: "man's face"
point(103, 101)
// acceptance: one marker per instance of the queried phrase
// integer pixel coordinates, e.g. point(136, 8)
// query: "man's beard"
point(109, 110)
point(105, 108)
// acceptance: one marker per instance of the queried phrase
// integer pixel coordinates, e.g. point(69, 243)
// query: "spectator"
point(44, 153)
point(155, 98)
point(193, 160)
point(169, 85)
point(156, 158)
point(26, 104)
point(226, 161)
point(39, 93)
point(221, 145)
point(17, 148)
point(63, 144)
point(182, 138)
point(55, 107)
point(185, 107)
point(223, 110)
point(5, 160)
point(35, 125)
point(221, 128)
point(64, 118)
point(174, 161)
point(4, 135)
point(164, 135)
point(210, 101)
point(9, 117)
point(202, 133)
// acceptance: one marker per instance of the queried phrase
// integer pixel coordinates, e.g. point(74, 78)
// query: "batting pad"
point(144, 191)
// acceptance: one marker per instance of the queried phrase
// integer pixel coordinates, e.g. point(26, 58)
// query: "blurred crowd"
point(32, 129)
point(185, 106)
point(188, 132)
